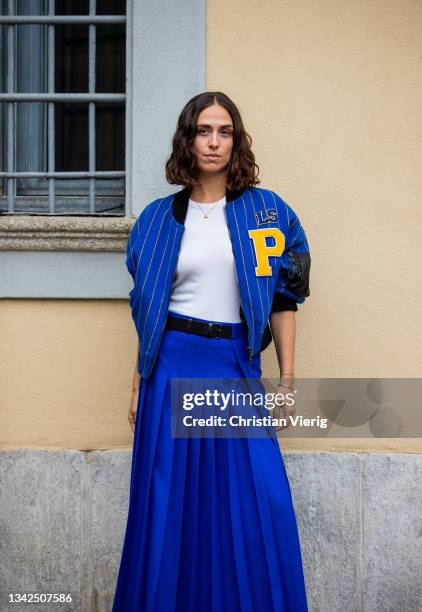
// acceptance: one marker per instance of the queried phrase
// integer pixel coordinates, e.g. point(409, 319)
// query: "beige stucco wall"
point(330, 93)
point(66, 373)
point(66, 378)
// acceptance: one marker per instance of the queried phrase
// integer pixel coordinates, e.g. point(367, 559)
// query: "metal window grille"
point(28, 134)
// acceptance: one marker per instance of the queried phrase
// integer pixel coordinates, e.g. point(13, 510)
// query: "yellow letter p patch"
point(263, 251)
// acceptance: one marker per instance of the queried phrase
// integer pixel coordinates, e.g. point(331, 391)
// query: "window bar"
point(91, 115)
point(11, 182)
point(51, 126)
point(80, 19)
point(62, 97)
point(81, 175)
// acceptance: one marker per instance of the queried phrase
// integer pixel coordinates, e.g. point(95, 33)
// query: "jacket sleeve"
point(133, 244)
point(132, 249)
point(130, 255)
point(292, 285)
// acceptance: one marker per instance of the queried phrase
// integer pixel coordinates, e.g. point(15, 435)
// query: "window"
point(62, 107)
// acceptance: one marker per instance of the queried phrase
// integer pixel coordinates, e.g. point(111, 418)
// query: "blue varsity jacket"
point(271, 254)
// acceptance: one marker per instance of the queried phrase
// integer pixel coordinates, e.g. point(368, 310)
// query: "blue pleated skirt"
point(211, 525)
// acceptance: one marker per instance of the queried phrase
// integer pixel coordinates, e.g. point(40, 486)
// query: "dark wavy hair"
point(181, 166)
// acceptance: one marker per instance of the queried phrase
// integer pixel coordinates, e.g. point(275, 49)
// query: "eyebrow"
point(227, 125)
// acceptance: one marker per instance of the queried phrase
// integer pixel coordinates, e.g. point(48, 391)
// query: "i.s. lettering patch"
point(264, 217)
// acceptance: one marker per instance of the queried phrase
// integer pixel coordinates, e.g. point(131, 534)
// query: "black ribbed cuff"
point(281, 302)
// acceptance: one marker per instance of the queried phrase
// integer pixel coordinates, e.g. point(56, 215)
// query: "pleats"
point(211, 524)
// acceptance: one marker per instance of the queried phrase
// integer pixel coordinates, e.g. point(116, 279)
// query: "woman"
point(217, 267)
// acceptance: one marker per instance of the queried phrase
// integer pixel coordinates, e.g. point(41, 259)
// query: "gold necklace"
point(205, 215)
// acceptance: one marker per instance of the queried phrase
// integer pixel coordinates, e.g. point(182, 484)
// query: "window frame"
point(10, 97)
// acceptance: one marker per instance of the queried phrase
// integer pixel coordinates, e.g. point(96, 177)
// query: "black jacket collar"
point(181, 201)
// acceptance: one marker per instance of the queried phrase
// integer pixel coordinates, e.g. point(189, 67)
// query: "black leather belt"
point(203, 328)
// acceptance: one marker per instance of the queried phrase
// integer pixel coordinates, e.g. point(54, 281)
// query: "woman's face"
point(213, 142)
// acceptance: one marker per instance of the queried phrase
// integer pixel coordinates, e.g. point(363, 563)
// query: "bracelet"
point(288, 386)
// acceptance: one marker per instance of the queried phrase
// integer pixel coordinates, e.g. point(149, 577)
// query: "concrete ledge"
point(63, 515)
point(66, 233)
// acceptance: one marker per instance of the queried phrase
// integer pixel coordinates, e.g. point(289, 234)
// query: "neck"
point(210, 189)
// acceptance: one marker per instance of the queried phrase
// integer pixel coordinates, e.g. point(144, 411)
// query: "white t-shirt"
point(205, 284)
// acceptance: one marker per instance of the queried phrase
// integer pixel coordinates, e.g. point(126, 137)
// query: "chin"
point(212, 168)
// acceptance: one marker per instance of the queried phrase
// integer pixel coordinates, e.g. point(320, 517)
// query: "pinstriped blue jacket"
point(271, 254)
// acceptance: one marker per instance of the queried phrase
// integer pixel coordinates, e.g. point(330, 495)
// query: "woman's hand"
point(285, 386)
point(132, 409)
point(131, 417)
point(283, 328)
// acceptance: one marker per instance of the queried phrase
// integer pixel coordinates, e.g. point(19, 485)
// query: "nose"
point(213, 142)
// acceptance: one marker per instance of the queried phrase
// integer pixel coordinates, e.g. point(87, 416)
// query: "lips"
point(213, 156)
